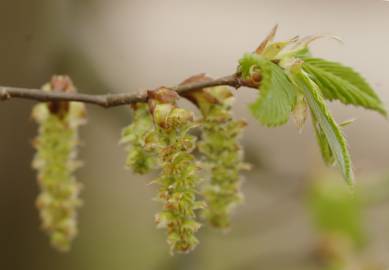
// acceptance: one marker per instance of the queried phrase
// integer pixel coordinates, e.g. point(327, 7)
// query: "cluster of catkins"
point(55, 162)
point(159, 137)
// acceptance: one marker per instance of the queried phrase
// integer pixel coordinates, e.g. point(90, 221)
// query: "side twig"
point(113, 100)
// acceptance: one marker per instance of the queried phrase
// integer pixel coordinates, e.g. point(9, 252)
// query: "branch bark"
point(113, 100)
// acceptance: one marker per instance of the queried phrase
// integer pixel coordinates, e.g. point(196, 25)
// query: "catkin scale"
point(55, 162)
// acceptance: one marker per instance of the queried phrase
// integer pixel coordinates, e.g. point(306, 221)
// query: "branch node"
point(4, 95)
point(142, 94)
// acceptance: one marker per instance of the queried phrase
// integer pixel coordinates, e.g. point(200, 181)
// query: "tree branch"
point(112, 100)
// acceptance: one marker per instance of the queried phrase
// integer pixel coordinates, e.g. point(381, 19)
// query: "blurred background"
point(126, 46)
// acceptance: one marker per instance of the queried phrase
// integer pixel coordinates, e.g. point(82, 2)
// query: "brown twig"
point(112, 100)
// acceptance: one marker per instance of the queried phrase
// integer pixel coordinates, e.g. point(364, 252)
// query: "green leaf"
point(342, 83)
point(325, 148)
point(277, 94)
point(331, 140)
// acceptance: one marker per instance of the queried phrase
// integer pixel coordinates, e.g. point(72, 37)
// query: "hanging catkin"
point(179, 176)
point(55, 162)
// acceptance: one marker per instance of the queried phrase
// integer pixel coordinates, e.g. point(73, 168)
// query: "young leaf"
point(332, 142)
point(342, 83)
point(277, 96)
point(325, 148)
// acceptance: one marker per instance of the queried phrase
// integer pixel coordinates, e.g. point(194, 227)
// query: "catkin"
point(222, 155)
point(55, 162)
point(141, 158)
point(179, 176)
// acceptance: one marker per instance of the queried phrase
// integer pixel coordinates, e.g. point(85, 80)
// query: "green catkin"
point(55, 162)
point(179, 177)
point(141, 158)
point(223, 156)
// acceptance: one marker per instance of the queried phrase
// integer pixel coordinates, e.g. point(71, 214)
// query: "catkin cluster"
point(55, 162)
point(160, 134)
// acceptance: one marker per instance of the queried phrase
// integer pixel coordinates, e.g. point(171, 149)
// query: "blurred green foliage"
point(336, 209)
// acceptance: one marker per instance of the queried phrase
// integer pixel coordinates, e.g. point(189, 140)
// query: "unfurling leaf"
point(55, 162)
point(338, 82)
point(273, 50)
point(330, 137)
point(277, 95)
